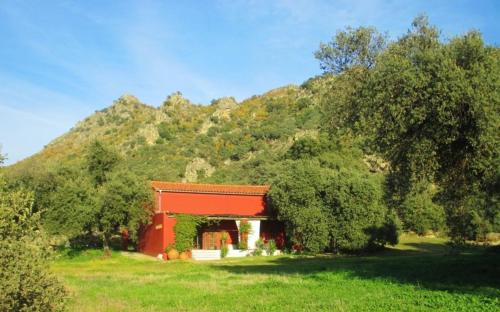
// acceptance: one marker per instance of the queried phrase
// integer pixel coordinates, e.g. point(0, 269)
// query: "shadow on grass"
point(422, 248)
point(476, 271)
point(83, 254)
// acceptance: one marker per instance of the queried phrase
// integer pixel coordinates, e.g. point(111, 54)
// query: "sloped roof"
point(210, 188)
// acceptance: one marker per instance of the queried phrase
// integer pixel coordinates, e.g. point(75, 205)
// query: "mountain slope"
point(225, 141)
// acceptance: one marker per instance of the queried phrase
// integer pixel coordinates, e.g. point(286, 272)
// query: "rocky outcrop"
point(195, 167)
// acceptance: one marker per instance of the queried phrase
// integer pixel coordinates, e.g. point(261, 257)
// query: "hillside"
point(225, 141)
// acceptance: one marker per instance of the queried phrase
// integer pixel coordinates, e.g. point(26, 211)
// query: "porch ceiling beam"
point(238, 218)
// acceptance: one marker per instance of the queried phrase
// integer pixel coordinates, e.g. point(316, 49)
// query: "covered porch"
point(209, 238)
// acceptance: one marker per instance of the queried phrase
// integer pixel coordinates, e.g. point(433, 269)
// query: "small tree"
point(72, 206)
point(351, 47)
point(101, 160)
point(125, 201)
point(2, 157)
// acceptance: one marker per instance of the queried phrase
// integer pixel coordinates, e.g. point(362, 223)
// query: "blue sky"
point(62, 60)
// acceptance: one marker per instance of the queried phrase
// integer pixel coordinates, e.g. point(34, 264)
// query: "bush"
point(305, 148)
point(224, 250)
point(324, 209)
point(244, 229)
point(25, 282)
point(224, 236)
point(357, 212)
point(271, 247)
point(243, 245)
point(166, 131)
point(388, 233)
point(421, 214)
point(259, 247)
point(479, 227)
point(185, 230)
point(169, 247)
point(296, 196)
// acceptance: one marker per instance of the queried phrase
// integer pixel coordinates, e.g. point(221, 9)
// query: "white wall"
point(254, 233)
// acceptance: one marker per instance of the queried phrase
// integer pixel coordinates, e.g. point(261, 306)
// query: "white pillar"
point(254, 233)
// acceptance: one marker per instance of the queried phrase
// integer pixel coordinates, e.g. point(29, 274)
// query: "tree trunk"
point(105, 245)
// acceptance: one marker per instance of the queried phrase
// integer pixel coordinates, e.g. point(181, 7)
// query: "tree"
point(357, 212)
point(72, 206)
point(295, 195)
point(2, 157)
point(25, 282)
point(100, 161)
point(432, 109)
point(420, 213)
point(125, 201)
point(325, 209)
point(350, 47)
point(100, 200)
point(305, 148)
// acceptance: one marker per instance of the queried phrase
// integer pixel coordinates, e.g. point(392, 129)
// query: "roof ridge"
point(214, 184)
point(210, 188)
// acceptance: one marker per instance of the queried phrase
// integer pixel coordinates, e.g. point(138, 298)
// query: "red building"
point(227, 204)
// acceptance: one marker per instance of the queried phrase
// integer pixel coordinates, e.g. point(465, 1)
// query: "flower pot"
point(173, 254)
point(184, 255)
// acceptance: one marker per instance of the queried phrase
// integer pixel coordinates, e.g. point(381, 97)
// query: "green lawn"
point(418, 275)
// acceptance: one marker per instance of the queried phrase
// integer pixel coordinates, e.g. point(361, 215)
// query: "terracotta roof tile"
point(210, 188)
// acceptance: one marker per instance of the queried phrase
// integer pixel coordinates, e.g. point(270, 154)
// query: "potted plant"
point(224, 236)
point(172, 253)
point(224, 249)
point(184, 255)
point(245, 229)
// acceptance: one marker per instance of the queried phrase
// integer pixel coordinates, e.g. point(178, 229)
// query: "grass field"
point(418, 275)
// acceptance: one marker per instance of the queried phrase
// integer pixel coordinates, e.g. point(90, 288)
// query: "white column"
point(254, 233)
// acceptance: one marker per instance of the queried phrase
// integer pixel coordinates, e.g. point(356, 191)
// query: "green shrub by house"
point(185, 230)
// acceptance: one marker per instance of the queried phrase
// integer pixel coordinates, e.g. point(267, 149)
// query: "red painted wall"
point(212, 204)
point(168, 231)
point(272, 229)
point(155, 237)
point(151, 238)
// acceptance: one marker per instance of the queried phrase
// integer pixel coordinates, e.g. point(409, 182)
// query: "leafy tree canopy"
point(432, 109)
point(350, 47)
point(100, 161)
point(327, 209)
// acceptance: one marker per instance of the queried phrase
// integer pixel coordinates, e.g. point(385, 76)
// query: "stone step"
point(198, 254)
